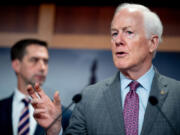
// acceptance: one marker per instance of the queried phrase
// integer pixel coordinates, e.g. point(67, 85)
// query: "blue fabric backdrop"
point(71, 70)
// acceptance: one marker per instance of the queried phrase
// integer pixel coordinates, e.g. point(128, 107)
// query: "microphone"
point(154, 101)
point(76, 98)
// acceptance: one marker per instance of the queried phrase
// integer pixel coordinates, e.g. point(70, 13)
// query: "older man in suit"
point(119, 105)
point(30, 63)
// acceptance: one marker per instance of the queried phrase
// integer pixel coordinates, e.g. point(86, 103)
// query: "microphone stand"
point(76, 98)
point(59, 116)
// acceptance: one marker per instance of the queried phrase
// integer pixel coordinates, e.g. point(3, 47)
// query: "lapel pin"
point(162, 92)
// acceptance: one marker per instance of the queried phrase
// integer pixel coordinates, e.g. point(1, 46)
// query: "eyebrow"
point(36, 57)
point(123, 28)
point(113, 29)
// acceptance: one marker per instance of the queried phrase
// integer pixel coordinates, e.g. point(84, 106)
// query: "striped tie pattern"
point(131, 110)
point(23, 126)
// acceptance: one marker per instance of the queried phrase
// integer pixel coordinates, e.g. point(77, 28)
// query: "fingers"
point(40, 113)
point(31, 91)
point(57, 101)
point(38, 89)
point(37, 103)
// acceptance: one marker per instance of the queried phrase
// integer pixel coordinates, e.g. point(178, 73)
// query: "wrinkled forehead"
point(128, 16)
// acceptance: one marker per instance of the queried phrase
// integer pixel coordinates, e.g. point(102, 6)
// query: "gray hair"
point(152, 22)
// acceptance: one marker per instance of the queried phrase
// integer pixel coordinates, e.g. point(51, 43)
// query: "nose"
point(119, 40)
point(42, 65)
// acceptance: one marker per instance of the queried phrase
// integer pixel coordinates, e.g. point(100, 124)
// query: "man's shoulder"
point(5, 109)
point(98, 88)
point(5, 115)
point(64, 108)
point(6, 100)
point(103, 83)
point(65, 117)
point(168, 80)
point(170, 84)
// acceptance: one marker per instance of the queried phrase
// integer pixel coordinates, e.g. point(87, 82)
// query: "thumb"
point(57, 100)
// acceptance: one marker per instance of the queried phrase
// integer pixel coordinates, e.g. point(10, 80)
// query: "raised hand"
point(45, 110)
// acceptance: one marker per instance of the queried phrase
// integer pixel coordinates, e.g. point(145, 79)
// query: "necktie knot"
point(134, 85)
point(26, 101)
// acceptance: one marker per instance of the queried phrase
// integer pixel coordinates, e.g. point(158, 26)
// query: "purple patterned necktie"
point(131, 110)
point(23, 126)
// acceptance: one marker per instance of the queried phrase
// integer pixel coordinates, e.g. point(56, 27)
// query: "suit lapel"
point(112, 98)
point(9, 113)
point(159, 91)
point(6, 112)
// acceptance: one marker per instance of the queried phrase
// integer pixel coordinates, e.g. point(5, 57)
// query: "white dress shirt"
point(17, 107)
point(143, 92)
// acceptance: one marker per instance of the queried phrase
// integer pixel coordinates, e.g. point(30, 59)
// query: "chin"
point(121, 66)
point(39, 82)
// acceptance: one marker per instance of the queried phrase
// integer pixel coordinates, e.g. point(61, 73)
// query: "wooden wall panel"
point(75, 27)
point(83, 19)
point(18, 19)
point(96, 20)
point(171, 20)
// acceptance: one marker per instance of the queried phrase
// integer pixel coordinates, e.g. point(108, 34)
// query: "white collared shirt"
point(143, 92)
point(17, 107)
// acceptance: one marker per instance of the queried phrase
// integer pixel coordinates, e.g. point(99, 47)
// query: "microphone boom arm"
point(154, 101)
point(77, 98)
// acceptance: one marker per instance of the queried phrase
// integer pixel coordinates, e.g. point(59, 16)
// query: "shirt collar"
point(124, 81)
point(18, 96)
point(145, 80)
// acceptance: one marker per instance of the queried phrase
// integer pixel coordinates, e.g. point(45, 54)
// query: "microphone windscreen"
point(77, 98)
point(153, 100)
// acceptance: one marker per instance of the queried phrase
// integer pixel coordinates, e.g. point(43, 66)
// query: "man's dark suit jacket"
point(100, 111)
point(6, 118)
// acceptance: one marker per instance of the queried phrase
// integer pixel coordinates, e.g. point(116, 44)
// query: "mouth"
point(121, 54)
point(40, 77)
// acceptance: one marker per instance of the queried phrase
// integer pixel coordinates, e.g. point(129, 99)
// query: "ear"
point(16, 65)
point(154, 41)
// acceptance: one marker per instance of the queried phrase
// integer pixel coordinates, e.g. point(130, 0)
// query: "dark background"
point(149, 3)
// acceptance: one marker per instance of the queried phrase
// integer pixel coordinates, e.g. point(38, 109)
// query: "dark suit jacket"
point(6, 118)
point(100, 110)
